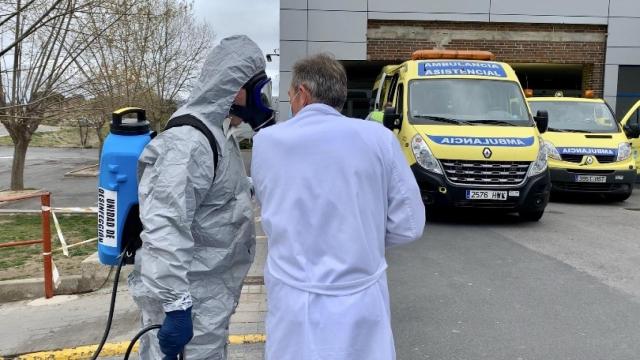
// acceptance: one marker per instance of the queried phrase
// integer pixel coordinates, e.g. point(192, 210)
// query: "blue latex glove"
point(175, 333)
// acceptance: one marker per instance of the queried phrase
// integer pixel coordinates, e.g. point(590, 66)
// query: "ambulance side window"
point(400, 103)
point(391, 92)
point(372, 100)
point(384, 91)
point(400, 98)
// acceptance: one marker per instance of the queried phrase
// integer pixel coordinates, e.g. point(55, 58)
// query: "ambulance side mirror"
point(632, 131)
point(542, 121)
point(391, 119)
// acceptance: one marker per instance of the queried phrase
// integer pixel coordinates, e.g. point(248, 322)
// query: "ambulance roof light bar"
point(453, 54)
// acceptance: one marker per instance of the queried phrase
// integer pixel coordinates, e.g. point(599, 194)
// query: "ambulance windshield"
point(577, 116)
point(468, 101)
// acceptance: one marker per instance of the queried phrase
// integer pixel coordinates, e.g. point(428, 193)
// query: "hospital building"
point(553, 45)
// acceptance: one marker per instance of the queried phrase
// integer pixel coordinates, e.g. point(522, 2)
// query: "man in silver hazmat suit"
point(198, 235)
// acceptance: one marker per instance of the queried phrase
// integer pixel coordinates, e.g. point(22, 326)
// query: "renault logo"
point(487, 153)
point(589, 160)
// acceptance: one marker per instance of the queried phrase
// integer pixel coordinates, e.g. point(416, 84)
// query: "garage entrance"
point(361, 76)
point(547, 79)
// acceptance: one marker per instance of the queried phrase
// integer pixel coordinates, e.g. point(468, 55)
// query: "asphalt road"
point(486, 286)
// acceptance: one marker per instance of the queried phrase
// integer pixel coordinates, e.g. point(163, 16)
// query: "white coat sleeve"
point(258, 158)
point(178, 172)
point(405, 212)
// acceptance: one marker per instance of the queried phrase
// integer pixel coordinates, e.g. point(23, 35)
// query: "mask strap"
point(266, 123)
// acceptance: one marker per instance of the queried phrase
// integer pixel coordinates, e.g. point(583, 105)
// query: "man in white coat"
point(335, 193)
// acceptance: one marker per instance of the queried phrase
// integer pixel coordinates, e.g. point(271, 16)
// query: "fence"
point(45, 199)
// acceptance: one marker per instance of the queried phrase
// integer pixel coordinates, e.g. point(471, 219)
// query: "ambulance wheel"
point(434, 213)
point(619, 197)
point(531, 215)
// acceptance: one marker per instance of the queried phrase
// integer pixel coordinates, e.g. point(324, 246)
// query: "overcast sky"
point(258, 19)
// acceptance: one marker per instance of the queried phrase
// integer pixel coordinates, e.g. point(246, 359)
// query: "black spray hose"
point(139, 335)
point(112, 307)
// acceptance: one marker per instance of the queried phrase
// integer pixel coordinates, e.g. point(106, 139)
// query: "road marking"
point(6, 157)
point(117, 349)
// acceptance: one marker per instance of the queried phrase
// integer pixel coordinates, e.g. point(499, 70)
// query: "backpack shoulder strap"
point(190, 120)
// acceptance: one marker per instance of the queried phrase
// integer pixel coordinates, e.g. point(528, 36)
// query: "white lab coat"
point(335, 192)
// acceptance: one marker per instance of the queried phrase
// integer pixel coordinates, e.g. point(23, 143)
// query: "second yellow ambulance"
point(589, 151)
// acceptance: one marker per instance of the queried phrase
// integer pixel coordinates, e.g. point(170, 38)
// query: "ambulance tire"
point(619, 197)
point(434, 213)
point(531, 215)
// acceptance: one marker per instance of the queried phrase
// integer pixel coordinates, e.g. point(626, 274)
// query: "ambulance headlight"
point(624, 151)
point(551, 150)
point(423, 155)
point(540, 165)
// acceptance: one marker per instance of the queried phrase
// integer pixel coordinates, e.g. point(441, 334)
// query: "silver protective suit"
point(198, 239)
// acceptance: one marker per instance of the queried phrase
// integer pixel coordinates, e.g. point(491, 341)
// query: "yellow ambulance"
point(589, 151)
point(466, 131)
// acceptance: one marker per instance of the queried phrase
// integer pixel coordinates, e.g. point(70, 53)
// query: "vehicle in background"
point(631, 123)
point(589, 151)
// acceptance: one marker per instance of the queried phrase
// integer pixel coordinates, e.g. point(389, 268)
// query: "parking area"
point(487, 286)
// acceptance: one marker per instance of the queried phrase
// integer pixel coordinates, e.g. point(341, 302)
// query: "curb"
point(114, 349)
point(84, 171)
point(12, 201)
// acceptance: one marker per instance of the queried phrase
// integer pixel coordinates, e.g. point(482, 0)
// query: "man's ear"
point(306, 94)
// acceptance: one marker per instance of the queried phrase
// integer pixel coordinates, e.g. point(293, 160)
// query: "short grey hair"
point(324, 77)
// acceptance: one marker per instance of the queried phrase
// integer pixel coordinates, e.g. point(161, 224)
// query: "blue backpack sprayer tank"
point(119, 223)
point(118, 217)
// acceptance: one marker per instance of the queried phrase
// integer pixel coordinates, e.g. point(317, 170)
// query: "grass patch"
point(26, 261)
point(66, 137)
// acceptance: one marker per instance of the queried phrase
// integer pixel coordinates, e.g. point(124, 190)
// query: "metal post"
point(46, 245)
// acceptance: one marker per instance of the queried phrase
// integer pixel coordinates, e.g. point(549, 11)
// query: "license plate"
point(486, 195)
point(591, 179)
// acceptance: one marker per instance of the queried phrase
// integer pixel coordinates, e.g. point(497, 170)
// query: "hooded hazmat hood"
point(227, 67)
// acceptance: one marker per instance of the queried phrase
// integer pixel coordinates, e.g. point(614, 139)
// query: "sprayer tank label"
point(107, 217)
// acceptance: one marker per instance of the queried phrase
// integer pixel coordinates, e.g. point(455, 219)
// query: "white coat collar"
point(318, 108)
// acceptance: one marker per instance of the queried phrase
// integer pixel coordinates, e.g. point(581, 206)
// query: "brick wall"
point(398, 45)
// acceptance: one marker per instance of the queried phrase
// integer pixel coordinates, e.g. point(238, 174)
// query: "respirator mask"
point(258, 112)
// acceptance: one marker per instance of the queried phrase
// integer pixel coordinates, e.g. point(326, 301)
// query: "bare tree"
point(38, 65)
point(149, 60)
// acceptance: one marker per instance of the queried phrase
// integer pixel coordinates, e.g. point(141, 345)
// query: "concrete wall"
point(340, 27)
point(623, 43)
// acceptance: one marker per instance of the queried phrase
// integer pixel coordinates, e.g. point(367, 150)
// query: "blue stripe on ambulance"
point(482, 141)
point(587, 151)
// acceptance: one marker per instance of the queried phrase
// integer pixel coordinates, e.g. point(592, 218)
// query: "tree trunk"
point(21, 143)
